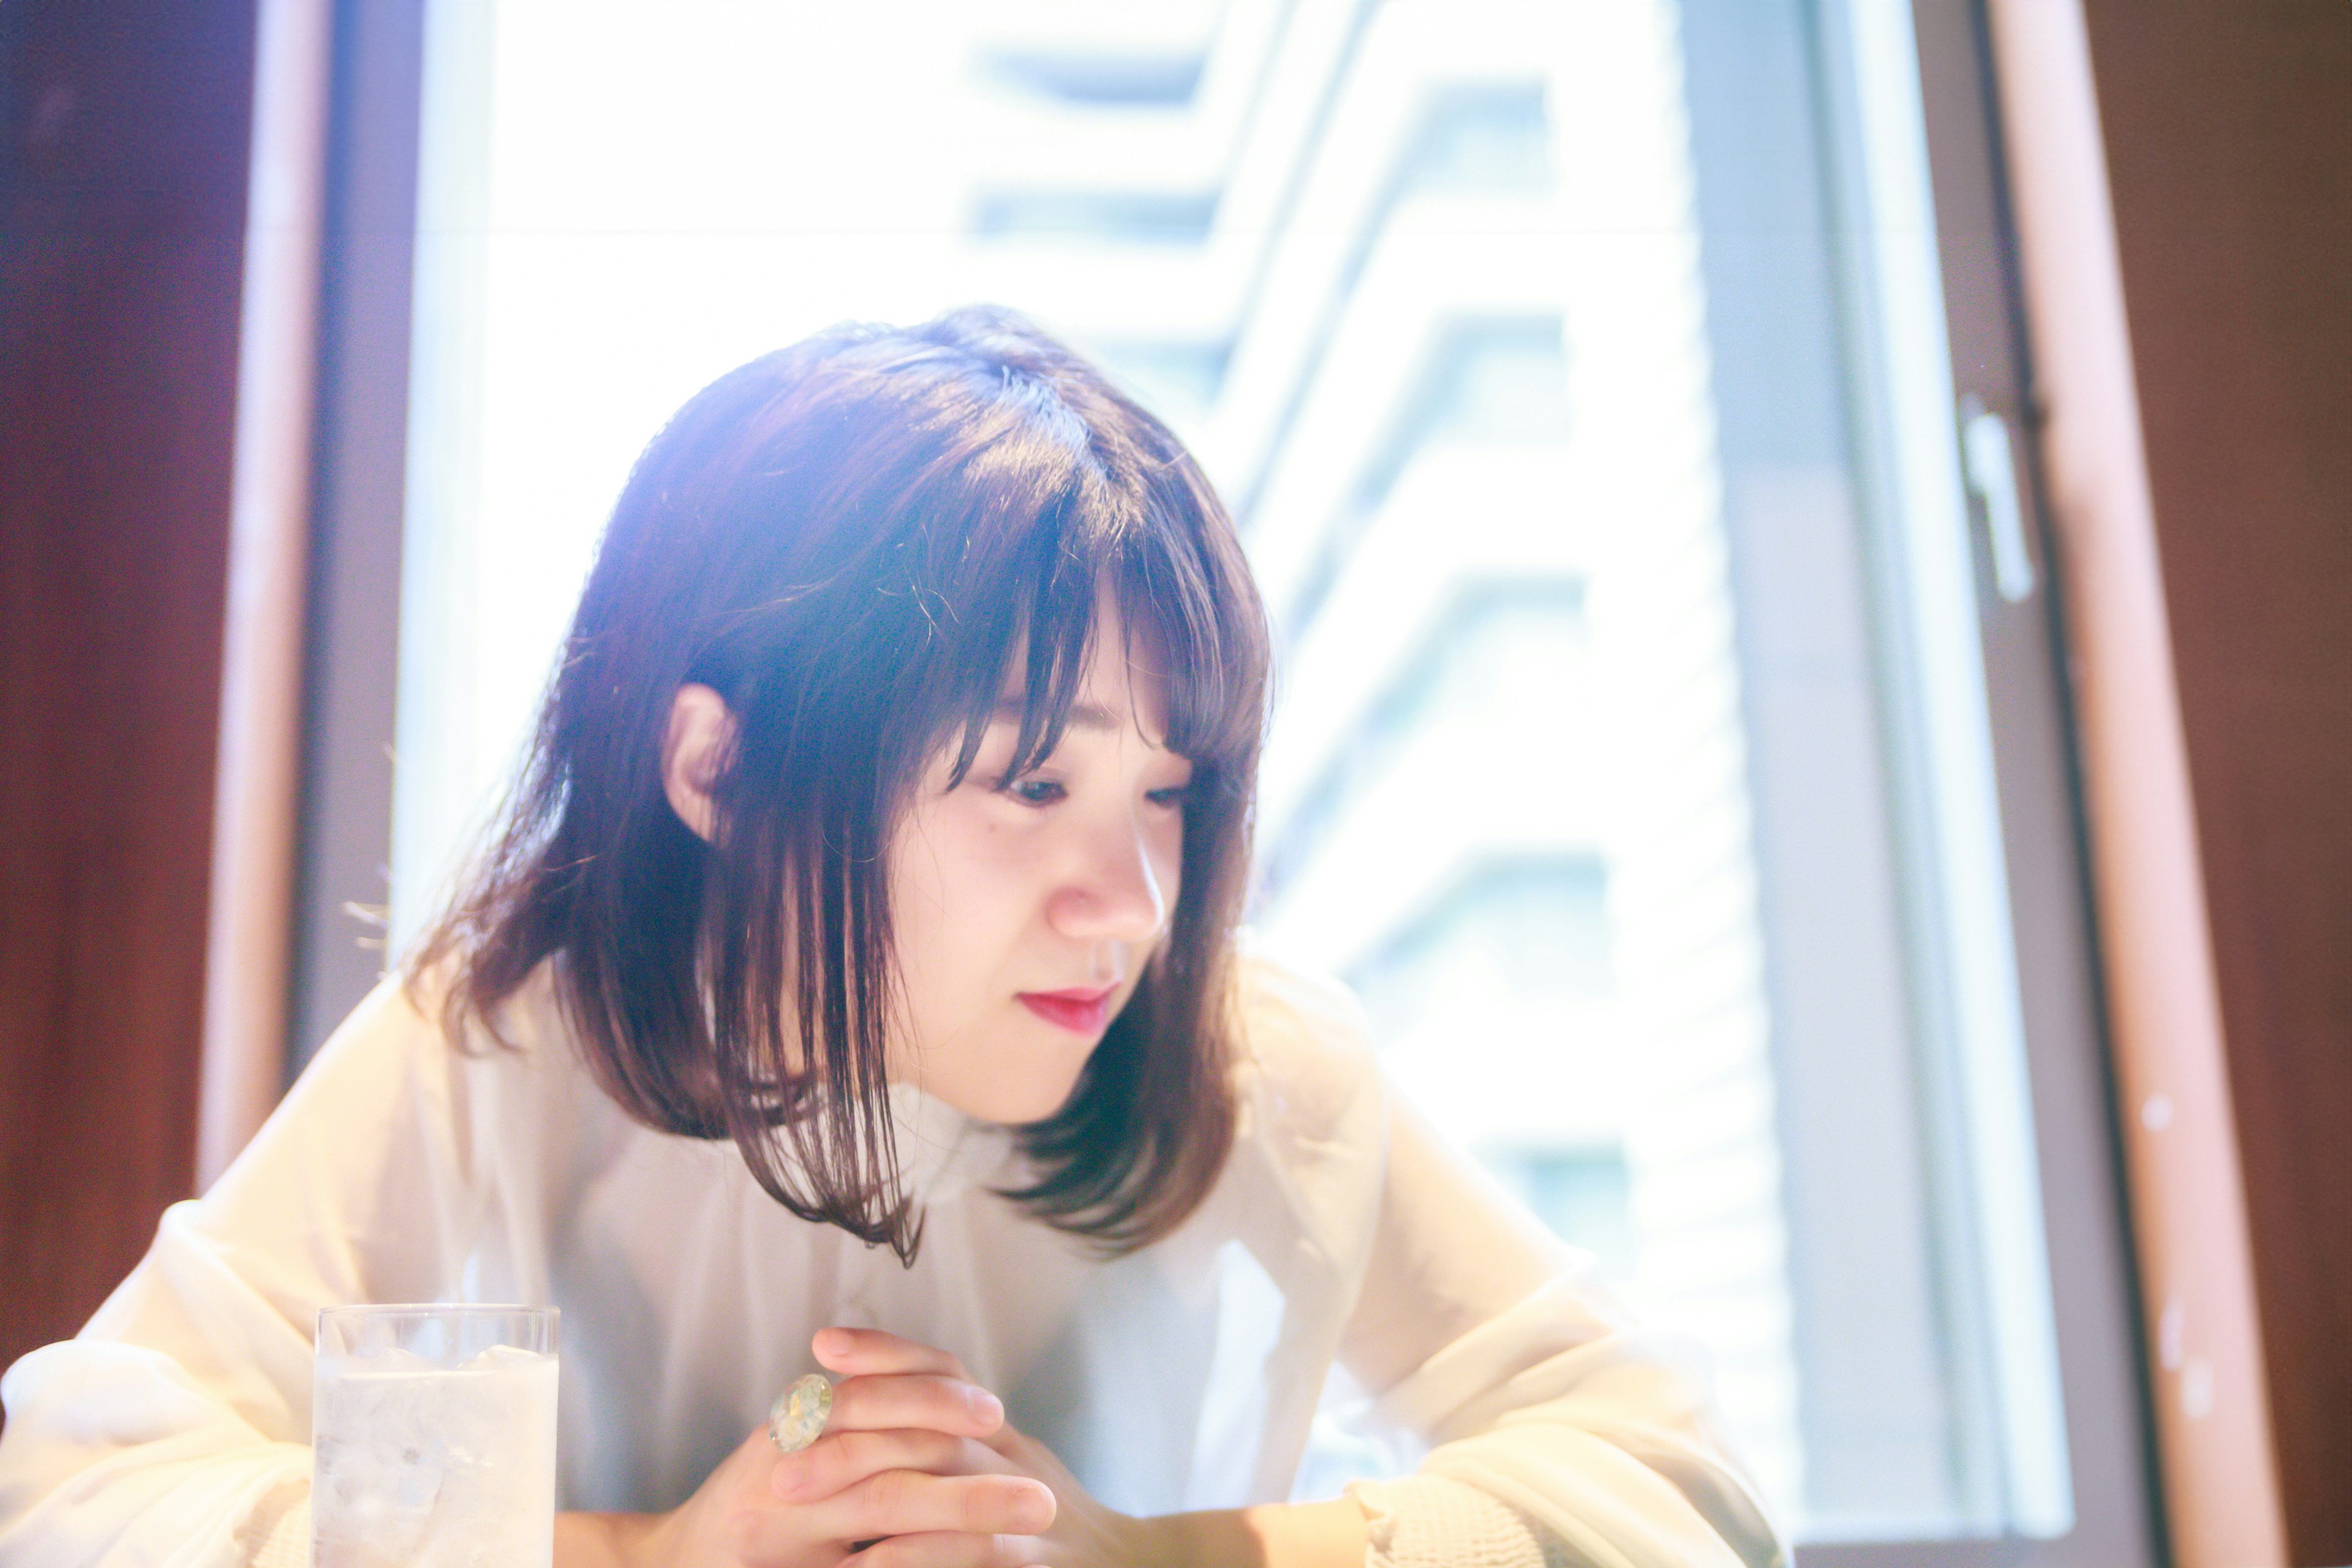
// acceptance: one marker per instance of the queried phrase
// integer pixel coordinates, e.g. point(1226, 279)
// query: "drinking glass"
point(432, 1436)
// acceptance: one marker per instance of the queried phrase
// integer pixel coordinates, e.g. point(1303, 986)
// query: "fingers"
point(841, 1459)
point(863, 1353)
point(902, 1468)
point(1023, 1455)
point(889, 1381)
point(908, 1502)
point(943, 1404)
point(935, 1550)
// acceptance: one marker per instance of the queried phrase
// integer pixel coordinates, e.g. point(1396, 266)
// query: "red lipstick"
point(1082, 1010)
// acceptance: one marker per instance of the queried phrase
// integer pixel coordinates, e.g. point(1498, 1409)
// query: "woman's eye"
point(1035, 792)
point(1172, 796)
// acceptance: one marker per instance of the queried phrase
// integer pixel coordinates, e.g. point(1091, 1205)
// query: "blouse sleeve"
point(1497, 1344)
point(174, 1429)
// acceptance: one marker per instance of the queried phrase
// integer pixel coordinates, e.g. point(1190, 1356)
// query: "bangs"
point(1188, 610)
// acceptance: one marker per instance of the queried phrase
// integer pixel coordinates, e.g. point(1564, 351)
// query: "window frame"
point(2102, 1360)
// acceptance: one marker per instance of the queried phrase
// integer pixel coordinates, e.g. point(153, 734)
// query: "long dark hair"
point(851, 540)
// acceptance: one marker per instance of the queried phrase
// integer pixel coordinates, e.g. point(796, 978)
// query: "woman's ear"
point(695, 748)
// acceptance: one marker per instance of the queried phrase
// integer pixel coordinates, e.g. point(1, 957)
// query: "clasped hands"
point(917, 1468)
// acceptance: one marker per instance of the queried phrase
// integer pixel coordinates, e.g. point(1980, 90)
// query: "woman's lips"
point(1082, 1011)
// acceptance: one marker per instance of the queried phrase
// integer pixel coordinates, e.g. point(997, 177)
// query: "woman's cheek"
point(1168, 863)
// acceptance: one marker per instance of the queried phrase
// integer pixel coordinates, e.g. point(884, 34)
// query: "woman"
point(853, 980)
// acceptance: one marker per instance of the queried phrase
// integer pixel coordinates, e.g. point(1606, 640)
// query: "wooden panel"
point(2227, 128)
point(125, 154)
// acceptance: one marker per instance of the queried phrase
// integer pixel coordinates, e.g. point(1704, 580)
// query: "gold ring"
point(798, 1416)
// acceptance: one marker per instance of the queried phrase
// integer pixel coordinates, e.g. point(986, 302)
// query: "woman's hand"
point(1082, 1532)
point(916, 1467)
point(1086, 1534)
point(1078, 1532)
point(902, 1471)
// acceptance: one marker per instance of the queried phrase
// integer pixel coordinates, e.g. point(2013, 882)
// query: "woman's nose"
point(1114, 892)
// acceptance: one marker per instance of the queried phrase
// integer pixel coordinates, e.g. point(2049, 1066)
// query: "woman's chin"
point(1007, 1103)
point(1012, 1074)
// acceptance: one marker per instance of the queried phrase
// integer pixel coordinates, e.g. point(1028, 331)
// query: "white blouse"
point(175, 1428)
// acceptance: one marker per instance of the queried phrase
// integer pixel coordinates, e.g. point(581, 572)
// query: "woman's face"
point(1024, 915)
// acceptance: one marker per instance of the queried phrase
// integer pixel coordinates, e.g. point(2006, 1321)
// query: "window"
point(1662, 755)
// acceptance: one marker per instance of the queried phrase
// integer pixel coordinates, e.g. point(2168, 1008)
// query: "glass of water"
point(432, 1436)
